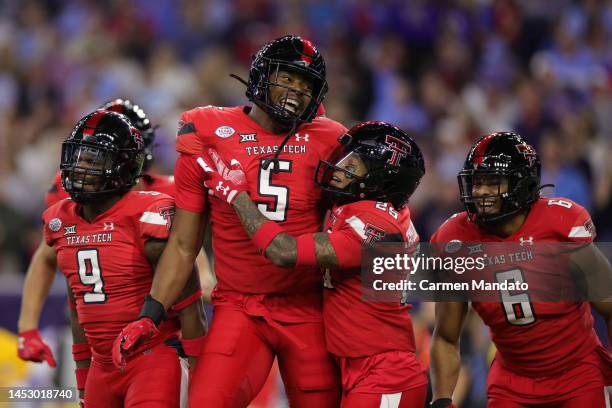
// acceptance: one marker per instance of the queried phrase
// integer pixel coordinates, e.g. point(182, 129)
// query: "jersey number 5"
point(280, 193)
point(90, 274)
point(517, 307)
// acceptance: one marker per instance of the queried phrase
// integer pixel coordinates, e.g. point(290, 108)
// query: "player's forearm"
point(38, 280)
point(250, 217)
point(172, 272)
point(445, 367)
point(282, 251)
point(207, 276)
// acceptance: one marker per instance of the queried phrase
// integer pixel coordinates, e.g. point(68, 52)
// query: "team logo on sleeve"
point(399, 149)
point(55, 224)
point(70, 230)
point(167, 214)
point(224, 131)
point(373, 234)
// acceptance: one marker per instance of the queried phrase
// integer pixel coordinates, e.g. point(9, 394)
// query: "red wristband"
point(189, 300)
point(306, 254)
point(265, 234)
point(192, 347)
point(81, 351)
point(81, 377)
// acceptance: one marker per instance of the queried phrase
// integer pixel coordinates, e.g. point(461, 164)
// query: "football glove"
point(138, 331)
point(31, 347)
point(222, 180)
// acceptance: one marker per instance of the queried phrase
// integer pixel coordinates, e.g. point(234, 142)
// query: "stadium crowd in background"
point(445, 71)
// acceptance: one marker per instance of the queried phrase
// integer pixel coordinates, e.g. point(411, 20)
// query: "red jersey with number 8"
point(105, 264)
point(284, 192)
point(538, 338)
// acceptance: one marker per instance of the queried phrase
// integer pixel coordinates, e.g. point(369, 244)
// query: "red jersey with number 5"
point(284, 192)
point(105, 264)
point(537, 338)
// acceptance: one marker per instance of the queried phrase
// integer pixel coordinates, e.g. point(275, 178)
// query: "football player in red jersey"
point(379, 168)
point(106, 240)
point(40, 274)
point(259, 313)
point(547, 353)
point(149, 180)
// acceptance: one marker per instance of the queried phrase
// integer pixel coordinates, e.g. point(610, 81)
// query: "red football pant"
point(594, 398)
point(390, 379)
point(414, 398)
point(151, 380)
point(238, 354)
point(580, 387)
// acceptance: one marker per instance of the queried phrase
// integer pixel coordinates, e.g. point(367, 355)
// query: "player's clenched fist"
point(31, 347)
point(130, 337)
point(222, 180)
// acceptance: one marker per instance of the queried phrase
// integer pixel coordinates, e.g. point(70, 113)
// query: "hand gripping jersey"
point(542, 338)
point(284, 192)
point(148, 182)
point(354, 327)
point(105, 264)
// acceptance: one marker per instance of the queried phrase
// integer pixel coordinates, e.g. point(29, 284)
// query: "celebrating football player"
point(259, 312)
point(40, 274)
point(379, 168)
point(547, 353)
point(106, 240)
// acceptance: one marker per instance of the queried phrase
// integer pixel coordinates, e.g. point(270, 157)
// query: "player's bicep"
point(591, 266)
point(190, 191)
point(153, 250)
point(187, 232)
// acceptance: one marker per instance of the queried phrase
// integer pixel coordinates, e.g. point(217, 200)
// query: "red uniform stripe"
point(481, 149)
point(92, 122)
point(308, 51)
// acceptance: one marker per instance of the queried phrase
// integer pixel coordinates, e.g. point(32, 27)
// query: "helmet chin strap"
point(239, 79)
point(266, 164)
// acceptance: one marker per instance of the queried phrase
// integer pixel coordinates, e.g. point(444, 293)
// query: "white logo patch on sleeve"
point(357, 225)
point(153, 218)
point(579, 232)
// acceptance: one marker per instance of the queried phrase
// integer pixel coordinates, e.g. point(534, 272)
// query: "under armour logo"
point(71, 229)
point(221, 188)
point(109, 226)
point(399, 149)
point(523, 241)
point(298, 138)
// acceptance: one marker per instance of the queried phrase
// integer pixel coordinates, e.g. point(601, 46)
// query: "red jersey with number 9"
point(105, 264)
point(539, 338)
point(284, 192)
